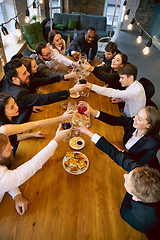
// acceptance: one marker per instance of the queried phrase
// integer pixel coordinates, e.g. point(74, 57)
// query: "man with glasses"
point(42, 59)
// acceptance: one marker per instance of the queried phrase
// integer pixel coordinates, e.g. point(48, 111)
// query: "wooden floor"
point(64, 206)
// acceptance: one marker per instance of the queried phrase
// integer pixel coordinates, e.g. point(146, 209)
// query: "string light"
point(130, 26)
point(34, 8)
point(27, 19)
point(127, 14)
point(139, 38)
point(124, 6)
point(146, 50)
point(6, 34)
point(40, 1)
point(17, 27)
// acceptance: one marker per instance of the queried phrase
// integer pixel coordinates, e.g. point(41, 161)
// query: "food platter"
point(75, 163)
point(77, 143)
point(75, 95)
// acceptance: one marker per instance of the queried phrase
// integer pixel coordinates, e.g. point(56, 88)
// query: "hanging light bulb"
point(6, 34)
point(27, 16)
point(130, 26)
point(40, 1)
point(146, 50)
point(127, 14)
point(17, 27)
point(34, 8)
point(139, 38)
point(124, 6)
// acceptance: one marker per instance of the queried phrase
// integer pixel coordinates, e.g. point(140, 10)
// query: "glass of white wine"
point(72, 106)
point(77, 122)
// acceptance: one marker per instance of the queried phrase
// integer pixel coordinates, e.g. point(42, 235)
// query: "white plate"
point(75, 95)
point(73, 143)
point(79, 171)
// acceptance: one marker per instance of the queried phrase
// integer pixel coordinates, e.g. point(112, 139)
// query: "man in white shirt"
point(134, 94)
point(11, 179)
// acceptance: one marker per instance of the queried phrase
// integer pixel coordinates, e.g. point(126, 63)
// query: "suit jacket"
point(145, 149)
point(44, 70)
point(79, 43)
point(26, 98)
point(144, 217)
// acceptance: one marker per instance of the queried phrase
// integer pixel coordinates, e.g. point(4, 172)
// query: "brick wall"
point(84, 6)
point(145, 12)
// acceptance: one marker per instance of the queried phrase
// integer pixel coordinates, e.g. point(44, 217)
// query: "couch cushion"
point(63, 18)
point(60, 27)
point(98, 22)
point(73, 24)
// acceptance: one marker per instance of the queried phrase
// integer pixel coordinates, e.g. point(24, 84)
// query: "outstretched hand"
point(61, 134)
point(39, 134)
point(37, 109)
point(67, 115)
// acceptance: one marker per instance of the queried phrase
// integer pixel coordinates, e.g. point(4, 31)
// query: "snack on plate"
point(76, 162)
point(76, 143)
point(75, 95)
point(64, 105)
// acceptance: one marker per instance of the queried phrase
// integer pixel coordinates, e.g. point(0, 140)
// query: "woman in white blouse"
point(57, 46)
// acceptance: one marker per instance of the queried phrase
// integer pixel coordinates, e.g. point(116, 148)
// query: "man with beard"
point(83, 43)
point(18, 84)
point(11, 179)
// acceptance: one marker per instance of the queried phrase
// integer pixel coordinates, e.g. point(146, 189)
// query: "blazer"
point(144, 217)
point(26, 98)
point(145, 149)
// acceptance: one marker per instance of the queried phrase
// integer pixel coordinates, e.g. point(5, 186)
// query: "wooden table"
point(64, 206)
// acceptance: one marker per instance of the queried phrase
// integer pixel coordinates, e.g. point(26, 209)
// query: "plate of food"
point(75, 95)
point(77, 143)
point(64, 104)
point(75, 163)
point(86, 118)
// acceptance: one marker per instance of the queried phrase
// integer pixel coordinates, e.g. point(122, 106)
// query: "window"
point(109, 11)
point(56, 6)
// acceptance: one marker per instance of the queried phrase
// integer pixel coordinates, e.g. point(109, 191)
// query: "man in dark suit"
point(141, 205)
point(18, 84)
point(83, 43)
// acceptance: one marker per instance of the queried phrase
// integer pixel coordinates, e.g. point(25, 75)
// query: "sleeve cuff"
point(98, 114)
point(95, 138)
point(73, 52)
point(14, 192)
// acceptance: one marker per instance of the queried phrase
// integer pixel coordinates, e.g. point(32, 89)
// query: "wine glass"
point(77, 122)
point(85, 91)
point(72, 106)
point(83, 58)
point(66, 125)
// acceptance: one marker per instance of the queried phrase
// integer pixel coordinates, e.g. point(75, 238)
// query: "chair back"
point(33, 34)
point(148, 87)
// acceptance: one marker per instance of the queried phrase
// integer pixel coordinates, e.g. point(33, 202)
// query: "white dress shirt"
point(58, 57)
point(11, 179)
point(133, 96)
point(132, 140)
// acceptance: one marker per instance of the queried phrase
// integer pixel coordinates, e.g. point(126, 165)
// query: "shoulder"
point(152, 140)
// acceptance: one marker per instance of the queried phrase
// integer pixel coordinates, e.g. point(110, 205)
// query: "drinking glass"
point(72, 106)
point(85, 91)
point(83, 58)
point(66, 125)
point(77, 122)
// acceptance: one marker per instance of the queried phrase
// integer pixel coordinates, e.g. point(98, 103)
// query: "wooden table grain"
point(64, 206)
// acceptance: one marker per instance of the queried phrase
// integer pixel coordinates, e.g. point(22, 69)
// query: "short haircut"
point(111, 47)
point(146, 184)
point(10, 68)
point(27, 63)
point(129, 69)
point(91, 28)
point(39, 47)
point(18, 55)
point(3, 142)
